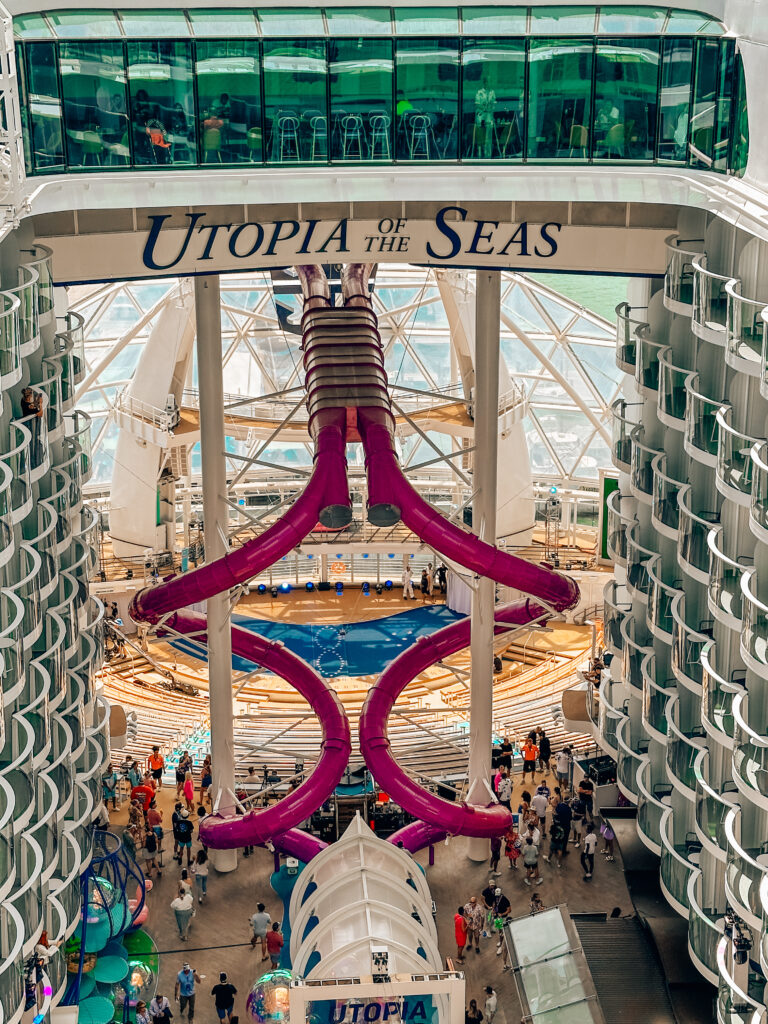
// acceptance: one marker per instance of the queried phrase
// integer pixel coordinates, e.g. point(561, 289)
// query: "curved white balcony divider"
point(678, 279)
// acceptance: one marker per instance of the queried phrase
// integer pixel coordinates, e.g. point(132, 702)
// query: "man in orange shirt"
point(530, 753)
point(156, 764)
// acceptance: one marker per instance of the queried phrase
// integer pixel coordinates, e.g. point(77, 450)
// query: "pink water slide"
point(348, 400)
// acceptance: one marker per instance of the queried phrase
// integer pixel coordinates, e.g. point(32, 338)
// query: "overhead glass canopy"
point(362, 21)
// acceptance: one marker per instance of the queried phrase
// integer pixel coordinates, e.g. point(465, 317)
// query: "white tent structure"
point(359, 895)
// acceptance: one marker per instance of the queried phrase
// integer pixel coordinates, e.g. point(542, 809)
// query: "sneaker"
point(546, 858)
point(527, 881)
point(538, 881)
point(199, 899)
point(610, 858)
point(507, 967)
point(498, 951)
point(558, 864)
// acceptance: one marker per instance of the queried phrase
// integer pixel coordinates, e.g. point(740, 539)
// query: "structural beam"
point(486, 406)
point(215, 511)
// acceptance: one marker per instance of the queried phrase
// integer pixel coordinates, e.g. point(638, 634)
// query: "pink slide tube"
point(325, 493)
point(386, 482)
point(453, 818)
point(257, 826)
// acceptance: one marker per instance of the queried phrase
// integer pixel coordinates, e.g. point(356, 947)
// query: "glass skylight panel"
point(31, 26)
point(85, 24)
point(692, 23)
point(359, 21)
point(427, 21)
point(572, 21)
point(292, 22)
point(636, 21)
point(494, 21)
point(223, 23)
point(165, 24)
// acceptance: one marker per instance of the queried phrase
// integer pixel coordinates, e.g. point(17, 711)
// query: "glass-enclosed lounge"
point(106, 89)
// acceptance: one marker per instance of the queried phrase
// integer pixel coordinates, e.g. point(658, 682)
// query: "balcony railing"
point(626, 340)
point(744, 872)
point(705, 929)
point(724, 588)
point(710, 302)
point(78, 428)
point(660, 600)
point(29, 318)
point(683, 747)
point(717, 695)
point(693, 531)
point(647, 365)
point(665, 511)
point(641, 471)
point(673, 396)
point(28, 589)
point(758, 509)
point(656, 696)
point(754, 634)
point(676, 870)
point(614, 611)
point(41, 534)
point(42, 265)
point(638, 557)
point(701, 437)
point(616, 534)
point(11, 646)
point(12, 963)
point(71, 330)
point(687, 645)
point(7, 540)
point(712, 808)
point(38, 429)
point(750, 750)
point(734, 461)
point(744, 342)
point(650, 809)
point(622, 427)
point(678, 279)
point(629, 759)
point(609, 717)
point(10, 349)
point(50, 385)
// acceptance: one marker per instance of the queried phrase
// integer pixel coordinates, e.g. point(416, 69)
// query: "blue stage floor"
point(345, 649)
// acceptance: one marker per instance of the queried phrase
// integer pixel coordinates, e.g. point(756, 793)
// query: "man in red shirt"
point(274, 944)
point(460, 928)
point(144, 793)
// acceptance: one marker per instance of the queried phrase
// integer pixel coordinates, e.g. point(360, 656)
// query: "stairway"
point(630, 983)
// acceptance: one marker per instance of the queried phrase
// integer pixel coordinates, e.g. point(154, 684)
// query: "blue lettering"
point(236, 234)
point(311, 225)
point(418, 1011)
point(277, 237)
point(212, 230)
point(338, 234)
point(546, 237)
point(148, 256)
point(449, 233)
point(482, 236)
point(390, 1008)
point(335, 1017)
point(372, 1012)
point(521, 237)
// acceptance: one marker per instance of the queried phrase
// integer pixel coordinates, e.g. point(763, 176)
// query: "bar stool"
point(380, 125)
point(419, 127)
point(92, 146)
point(319, 126)
point(288, 137)
point(351, 136)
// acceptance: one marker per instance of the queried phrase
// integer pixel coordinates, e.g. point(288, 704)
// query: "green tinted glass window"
point(85, 24)
point(95, 104)
point(636, 21)
point(675, 99)
point(154, 24)
point(295, 101)
point(740, 139)
point(162, 103)
point(559, 107)
point(496, 21)
point(493, 91)
point(427, 100)
point(222, 23)
point(361, 99)
point(359, 21)
point(31, 26)
point(44, 107)
point(297, 21)
point(626, 77)
point(426, 21)
point(562, 20)
point(229, 101)
point(702, 129)
point(683, 23)
point(722, 137)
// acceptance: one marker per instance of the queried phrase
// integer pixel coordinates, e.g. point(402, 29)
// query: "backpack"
point(150, 843)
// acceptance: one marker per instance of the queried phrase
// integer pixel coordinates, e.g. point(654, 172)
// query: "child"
point(200, 871)
point(512, 846)
point(189, 791)
point(608, 835)
point(536, 904)
point(531, 862)
point(577, 820)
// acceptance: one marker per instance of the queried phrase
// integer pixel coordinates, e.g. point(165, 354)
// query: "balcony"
point(710, 302)
point(701, 436)
point(17, 770)
point(63, 603)
point(641, 470)
point(58, 487)
point(705, 929)
point(40, 532)
point(616, 535)
point(633, 653)
point(638, 559)
point(60, 768)
point(72, 466)
point(656, 696)
point(614, 611)
point(676, 869)
point(7, 814)
point(622, 427)
point(758, 508)
point(754, 634)
point(745, 870)
point(744, 336)
point(10, 351)
point(7, 540)
point(608, 720)
point(28, 897)
point(78, 429)
point(41, 264)
point(652, 802)
point(734, 461)
point(712, 808)
point(11, 646)
point(70, 330)
point(665, 514)
point(38, 447)
point(17, 460)
point(660, 600)
point(45, 830)
point(717, 697)
point(647, 366)
point(683, 747)
point(687, 645)
point(764, 936)
point(724, 596)
point(693, 531)
point(12, 965)
point(52, 658)
point(673, 396)
point(87, 531)
point(630, 757)
point(750, 751)
point(50, 385)
point(626, 342)
point(734, 1005)
point(678, 279)
point(29, 318)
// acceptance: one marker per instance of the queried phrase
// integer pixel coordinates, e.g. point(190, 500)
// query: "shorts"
point(275, 959)
point(562, 777)
point(558, 844)
point(206, 781)
point(225, 1011)
point(180, 777)
point(528, 766)
point(157, 773)
point(185, 844)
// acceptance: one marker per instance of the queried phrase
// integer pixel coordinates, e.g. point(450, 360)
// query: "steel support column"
point(216, 513)
point(486, 405)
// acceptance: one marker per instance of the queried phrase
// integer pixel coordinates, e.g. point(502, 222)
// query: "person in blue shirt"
point(185, 990)
point(109, 786)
